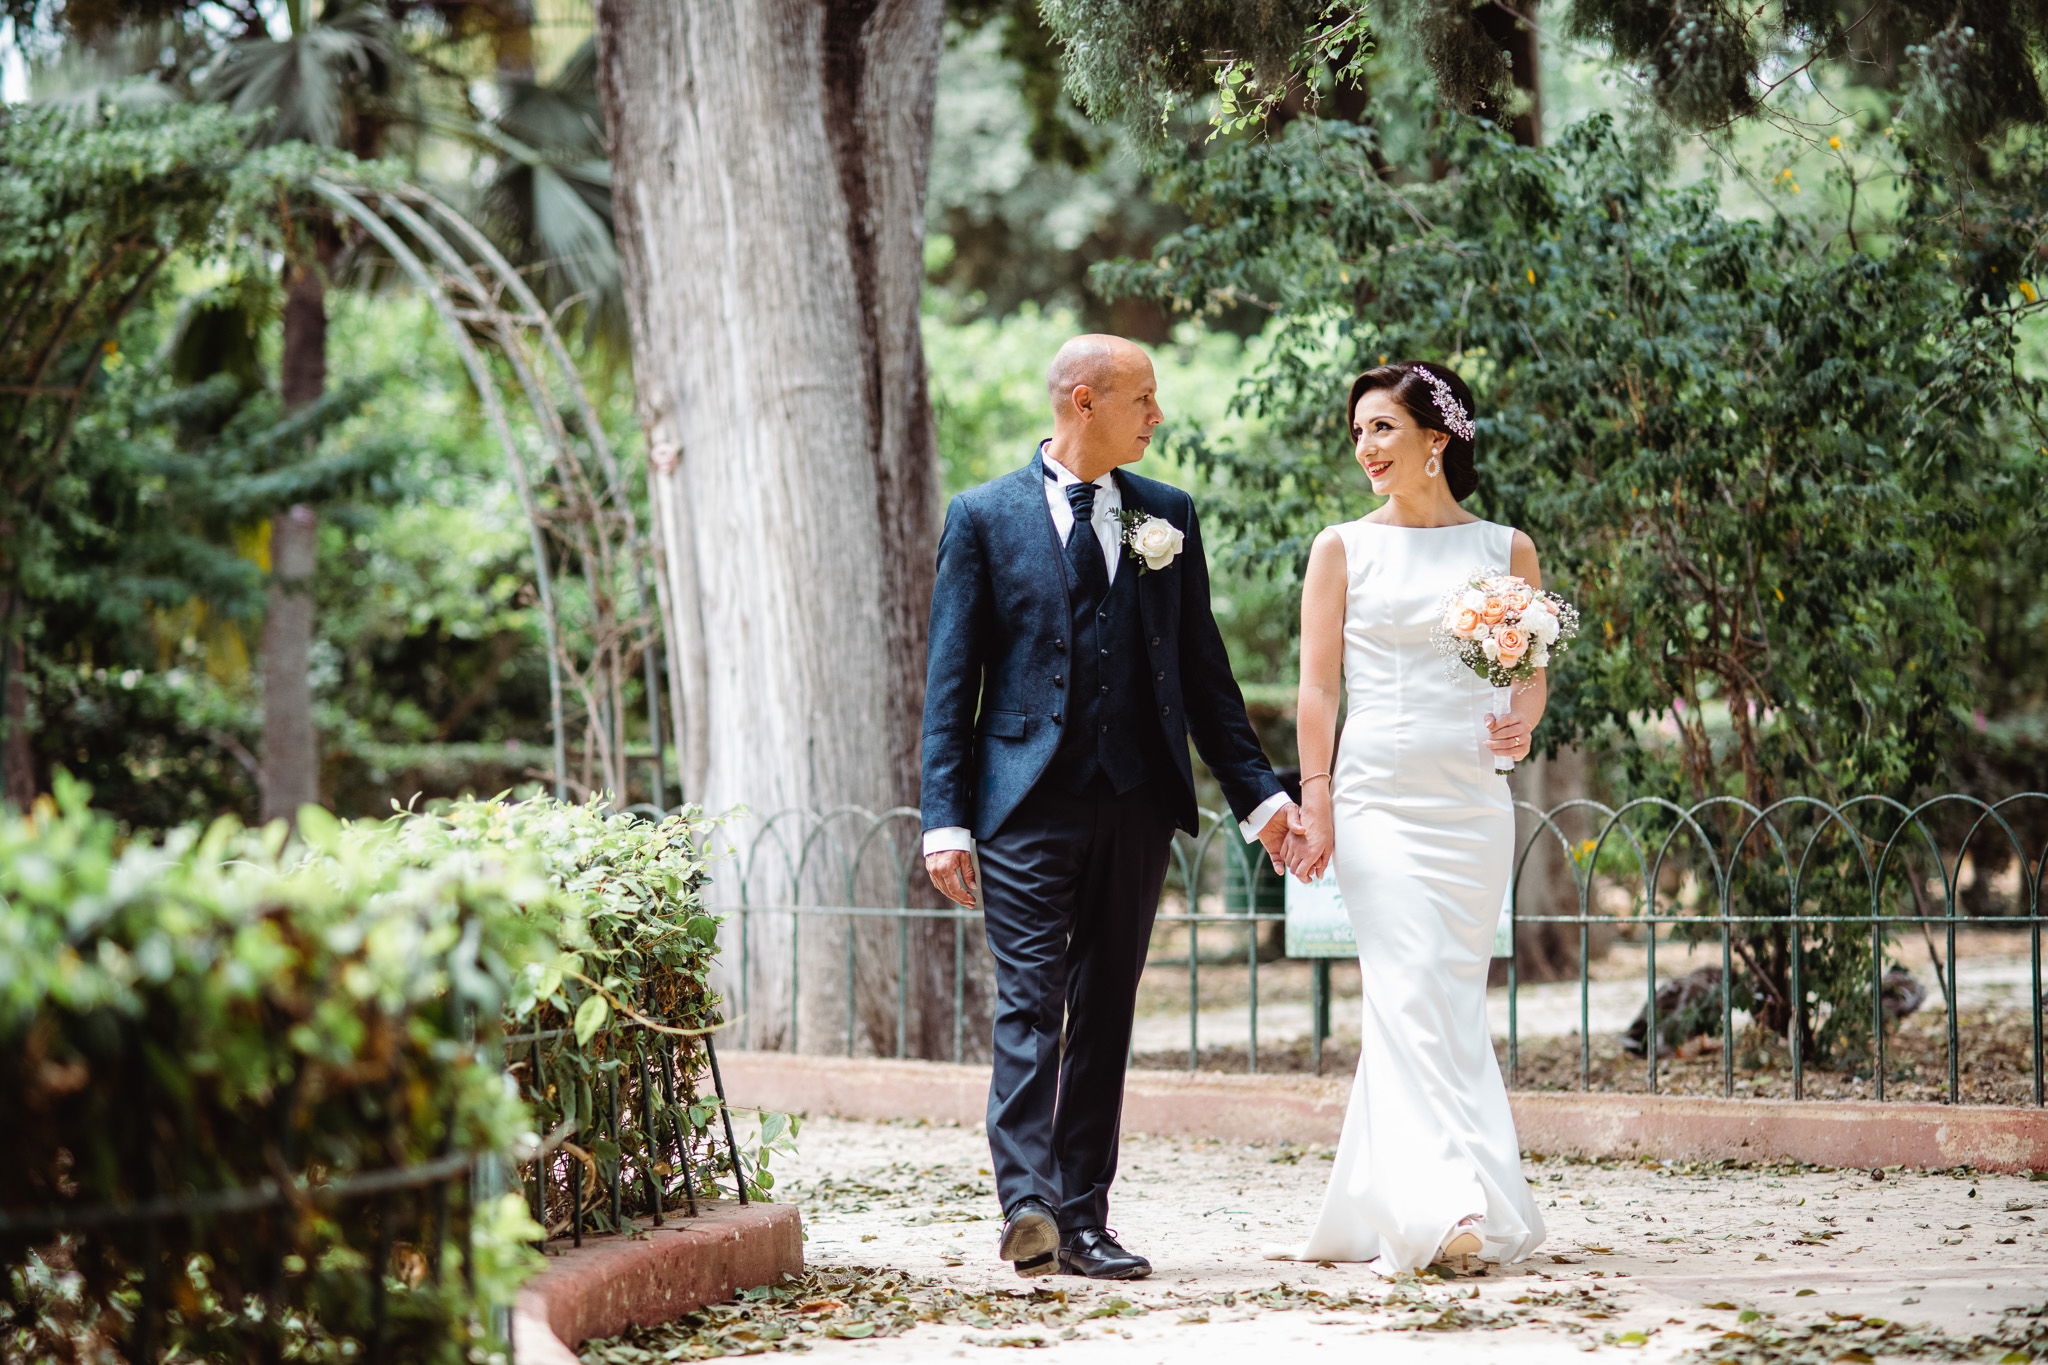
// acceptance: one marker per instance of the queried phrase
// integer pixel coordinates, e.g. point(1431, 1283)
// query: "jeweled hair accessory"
point(1456, 420)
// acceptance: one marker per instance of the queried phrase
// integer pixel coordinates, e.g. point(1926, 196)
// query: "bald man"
point(1073, 653)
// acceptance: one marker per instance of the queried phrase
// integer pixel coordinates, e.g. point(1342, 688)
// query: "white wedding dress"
point(1424, 834)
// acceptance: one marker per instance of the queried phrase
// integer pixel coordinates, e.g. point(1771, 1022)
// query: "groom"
point(1072, 655)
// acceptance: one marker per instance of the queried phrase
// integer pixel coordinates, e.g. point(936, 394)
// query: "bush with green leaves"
point(208, 1013)
point(609, 1023)
point(202, 1014)
point(1764, 456)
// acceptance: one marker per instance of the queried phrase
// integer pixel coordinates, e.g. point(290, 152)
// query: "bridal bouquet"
point(1504, 630)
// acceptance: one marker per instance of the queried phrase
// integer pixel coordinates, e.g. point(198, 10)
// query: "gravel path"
point(1654, 1260)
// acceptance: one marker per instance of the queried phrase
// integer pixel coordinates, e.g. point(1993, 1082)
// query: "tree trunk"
point(511, 23)
point(769, 162)
point(17, 756)
point(1543, 952)
point(291, 762)
point(1546, 882)
point(1518, 39)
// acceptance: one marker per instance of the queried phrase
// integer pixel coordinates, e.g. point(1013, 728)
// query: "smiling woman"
point(1406, 408)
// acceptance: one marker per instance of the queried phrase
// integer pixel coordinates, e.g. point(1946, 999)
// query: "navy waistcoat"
point(1113, 713)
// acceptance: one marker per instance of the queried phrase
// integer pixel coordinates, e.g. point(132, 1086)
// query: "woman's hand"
point(1510, 735)
point(1308, 852)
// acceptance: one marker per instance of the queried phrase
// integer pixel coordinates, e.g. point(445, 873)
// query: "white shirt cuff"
point(950, 839)
point(1258, 819)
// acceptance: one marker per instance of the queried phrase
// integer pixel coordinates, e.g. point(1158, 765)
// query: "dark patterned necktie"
point(1084, 551)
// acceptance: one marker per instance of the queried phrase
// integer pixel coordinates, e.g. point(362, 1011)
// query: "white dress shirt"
point(1109, 532)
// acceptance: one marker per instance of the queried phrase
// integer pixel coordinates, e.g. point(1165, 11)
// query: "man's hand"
point(1286, 822)
point(953, 873)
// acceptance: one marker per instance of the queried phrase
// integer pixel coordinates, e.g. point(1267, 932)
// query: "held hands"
point(1282, 827)
point(1509, 735)
point(1313, 839)
point(952, 871)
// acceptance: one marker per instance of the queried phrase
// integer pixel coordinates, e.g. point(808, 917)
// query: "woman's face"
point(1392, 449)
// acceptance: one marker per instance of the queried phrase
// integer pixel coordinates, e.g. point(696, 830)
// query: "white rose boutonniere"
point(1153, 541)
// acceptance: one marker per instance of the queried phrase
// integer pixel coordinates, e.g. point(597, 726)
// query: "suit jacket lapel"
point(1034, 517)
point(1153, 608)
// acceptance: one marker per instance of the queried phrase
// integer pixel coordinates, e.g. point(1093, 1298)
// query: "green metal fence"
point(1818, 884)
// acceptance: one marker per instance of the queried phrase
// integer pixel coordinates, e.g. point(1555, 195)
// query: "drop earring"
point(1433, 468)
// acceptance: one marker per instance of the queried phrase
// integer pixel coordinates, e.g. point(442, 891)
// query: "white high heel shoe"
point(1462, 1245)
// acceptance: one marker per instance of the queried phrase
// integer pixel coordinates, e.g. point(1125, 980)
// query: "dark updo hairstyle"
point(1404, 380)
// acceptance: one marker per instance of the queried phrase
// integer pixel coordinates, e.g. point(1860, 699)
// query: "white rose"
point(1474, 599)
point(1491, 648)
point(1540, 622)
point(1539, 656)
point(1157, 541)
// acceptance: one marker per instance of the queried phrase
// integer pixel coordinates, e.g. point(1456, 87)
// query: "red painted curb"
point(639, 1279)
point(1311, 1109)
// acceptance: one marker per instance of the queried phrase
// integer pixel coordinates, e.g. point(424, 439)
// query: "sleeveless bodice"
point(1411, 720)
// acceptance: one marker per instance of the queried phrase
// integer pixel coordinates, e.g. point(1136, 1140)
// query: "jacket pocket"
point(1002, 724)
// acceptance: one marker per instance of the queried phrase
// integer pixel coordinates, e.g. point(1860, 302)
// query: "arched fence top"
point(799, 855)
point(1821, 887)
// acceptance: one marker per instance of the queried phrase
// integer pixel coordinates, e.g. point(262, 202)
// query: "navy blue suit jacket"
point(997, 674)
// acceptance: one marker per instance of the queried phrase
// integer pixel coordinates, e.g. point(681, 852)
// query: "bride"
point(1421, 832)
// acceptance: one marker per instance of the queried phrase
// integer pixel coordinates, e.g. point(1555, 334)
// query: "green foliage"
point(1962, 76)
point(1737, 452)
point(202, 1013)
point(320, 82)
point(548, 198)
point(1738, 444)
point(1024, 194)
point(158, 747)
point(625, 982)
point(1132, 60)
point(215, 1010)
point(90, 210)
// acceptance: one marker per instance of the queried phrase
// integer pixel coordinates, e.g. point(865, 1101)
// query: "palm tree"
point(330, 81)
point(343, 75)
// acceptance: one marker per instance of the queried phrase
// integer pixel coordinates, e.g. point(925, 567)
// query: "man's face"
point(1124, 412)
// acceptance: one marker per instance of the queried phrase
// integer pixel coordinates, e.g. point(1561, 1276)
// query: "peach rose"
point(1514, 643)
point(1494, 611)
point(1519, 596)
point(1464, 623)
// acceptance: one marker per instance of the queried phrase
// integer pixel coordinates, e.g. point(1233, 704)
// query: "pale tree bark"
point(290, 761)
point(769, 161)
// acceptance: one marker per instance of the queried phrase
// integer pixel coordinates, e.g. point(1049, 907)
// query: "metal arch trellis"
point(574, 496)
point(573, 490)
point(1740, 868)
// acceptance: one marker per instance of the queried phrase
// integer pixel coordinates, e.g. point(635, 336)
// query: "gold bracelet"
point(1311, 777)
